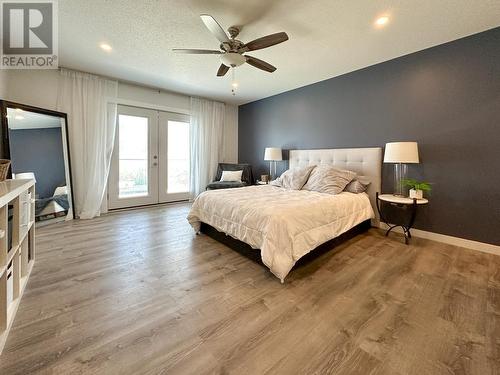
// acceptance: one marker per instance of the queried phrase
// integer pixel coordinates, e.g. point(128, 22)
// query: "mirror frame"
point(5, 145)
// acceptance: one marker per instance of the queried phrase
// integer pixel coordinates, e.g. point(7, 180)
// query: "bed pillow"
point(61, 190)
point(328, 179)
point(357, 186)
point(294, 178)
point(231, 176)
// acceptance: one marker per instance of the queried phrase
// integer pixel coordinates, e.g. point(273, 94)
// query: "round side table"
point(407, 208)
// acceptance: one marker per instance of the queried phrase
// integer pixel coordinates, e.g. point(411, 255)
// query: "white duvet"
point(284, 224)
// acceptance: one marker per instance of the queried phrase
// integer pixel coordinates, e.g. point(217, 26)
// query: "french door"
point(150, 162)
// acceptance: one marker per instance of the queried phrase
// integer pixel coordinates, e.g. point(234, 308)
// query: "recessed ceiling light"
point(381, 21)
point(19, 117)
point(106, 47)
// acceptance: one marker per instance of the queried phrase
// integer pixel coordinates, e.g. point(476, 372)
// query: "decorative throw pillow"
point(231, 176)
point(357, 186)
point(328, 179)
point(294, 178)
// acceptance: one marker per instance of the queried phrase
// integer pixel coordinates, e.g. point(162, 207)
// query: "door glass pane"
point(133, 156)
point(178, 157)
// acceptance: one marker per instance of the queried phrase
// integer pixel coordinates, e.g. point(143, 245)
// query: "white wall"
point(231, 134)
point(3, 83)
point(33, 87)
point(151, 98)
point(39, 88)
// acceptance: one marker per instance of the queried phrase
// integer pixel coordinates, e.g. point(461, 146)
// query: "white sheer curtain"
point(207, 125)
point(90, 102)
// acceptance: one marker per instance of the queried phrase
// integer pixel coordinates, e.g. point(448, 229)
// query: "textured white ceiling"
point(327, 38)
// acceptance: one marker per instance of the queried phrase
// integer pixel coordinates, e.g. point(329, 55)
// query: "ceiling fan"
point(232, 50)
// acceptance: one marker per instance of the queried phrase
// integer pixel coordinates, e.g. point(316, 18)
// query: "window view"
point(178, 157)
point(133, 156)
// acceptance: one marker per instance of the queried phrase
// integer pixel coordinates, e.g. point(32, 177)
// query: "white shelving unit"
point(17, 247)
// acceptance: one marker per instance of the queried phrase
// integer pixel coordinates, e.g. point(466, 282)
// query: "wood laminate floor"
point(138, 293)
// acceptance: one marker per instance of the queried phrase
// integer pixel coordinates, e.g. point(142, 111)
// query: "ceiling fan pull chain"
point(234, 84)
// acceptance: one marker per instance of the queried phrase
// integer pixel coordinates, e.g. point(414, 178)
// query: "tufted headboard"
point(366, 162)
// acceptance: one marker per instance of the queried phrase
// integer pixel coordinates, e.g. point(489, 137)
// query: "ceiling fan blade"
point(197, 51)
point(214, 28)
point(258, 63)
point(222, 70)
point(266, 41)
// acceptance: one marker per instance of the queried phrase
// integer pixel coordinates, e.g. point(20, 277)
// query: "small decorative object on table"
point(417, 188)
point(4, 169)
point(398, 211)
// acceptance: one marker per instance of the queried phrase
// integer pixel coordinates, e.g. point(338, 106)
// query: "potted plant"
point(417, 188)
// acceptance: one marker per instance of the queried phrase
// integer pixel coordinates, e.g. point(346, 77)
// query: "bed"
point(287, 224)
point(52, 207)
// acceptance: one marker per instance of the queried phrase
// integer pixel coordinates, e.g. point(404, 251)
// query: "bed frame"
point(254, 255)
point(366, 162)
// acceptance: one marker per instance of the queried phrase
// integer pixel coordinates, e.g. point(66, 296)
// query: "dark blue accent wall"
point(39, 151)
point(447, 98)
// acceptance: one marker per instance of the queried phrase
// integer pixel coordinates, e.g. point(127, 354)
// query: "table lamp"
point(272, 155)
point(401, 154)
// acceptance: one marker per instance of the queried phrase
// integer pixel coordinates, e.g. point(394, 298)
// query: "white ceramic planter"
point(418, 194)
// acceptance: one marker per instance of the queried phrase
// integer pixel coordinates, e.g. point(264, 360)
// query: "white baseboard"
point(450, 240)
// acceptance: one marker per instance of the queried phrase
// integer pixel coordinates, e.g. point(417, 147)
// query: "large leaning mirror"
point(35, 140)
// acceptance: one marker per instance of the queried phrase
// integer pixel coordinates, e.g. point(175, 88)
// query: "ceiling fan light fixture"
point(232, 50)
point(232, 59)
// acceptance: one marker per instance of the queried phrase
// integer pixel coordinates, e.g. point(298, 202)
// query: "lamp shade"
point(273, 154)
point(401, 152)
